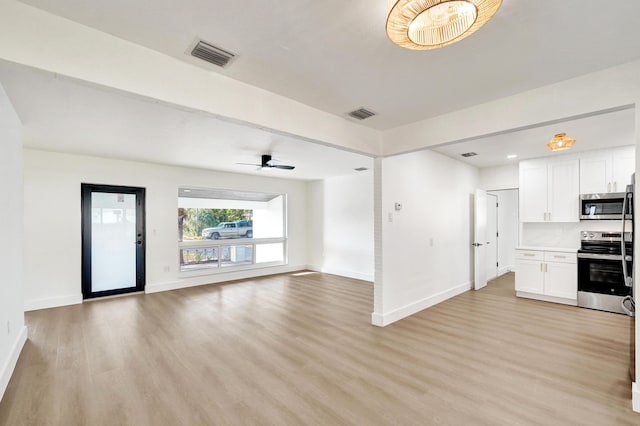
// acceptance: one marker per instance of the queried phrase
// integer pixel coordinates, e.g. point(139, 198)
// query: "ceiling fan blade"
point(282, 166)
point(249, 164)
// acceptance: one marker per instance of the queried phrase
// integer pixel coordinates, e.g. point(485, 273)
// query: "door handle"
point(139, 243)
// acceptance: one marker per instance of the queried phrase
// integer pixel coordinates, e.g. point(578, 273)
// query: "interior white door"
point(491, 234)
point(480, 239)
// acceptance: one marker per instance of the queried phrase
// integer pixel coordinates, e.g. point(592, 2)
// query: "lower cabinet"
point(547, 275)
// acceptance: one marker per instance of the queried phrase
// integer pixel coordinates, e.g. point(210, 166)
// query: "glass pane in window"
point(268, 220)
point(236, 255)
point(219, 214)
point(269, 253)
point(198, 258)
point(201, 223)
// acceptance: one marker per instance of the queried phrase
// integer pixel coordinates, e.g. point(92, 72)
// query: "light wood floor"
point(300, 350)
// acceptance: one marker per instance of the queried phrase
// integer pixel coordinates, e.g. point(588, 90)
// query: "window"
point(221, 229)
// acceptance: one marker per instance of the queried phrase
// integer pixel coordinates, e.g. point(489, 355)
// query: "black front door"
point(113, 240)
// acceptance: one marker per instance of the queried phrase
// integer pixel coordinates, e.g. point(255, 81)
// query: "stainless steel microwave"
point(606, 206)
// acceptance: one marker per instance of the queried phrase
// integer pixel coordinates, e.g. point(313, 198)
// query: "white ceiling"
point(594, 132)
point(65, 115)
point(335, 55)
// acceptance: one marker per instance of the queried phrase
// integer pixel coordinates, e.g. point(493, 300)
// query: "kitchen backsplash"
point(566, 235)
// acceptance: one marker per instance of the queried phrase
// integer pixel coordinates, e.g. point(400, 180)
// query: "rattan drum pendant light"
point(560, 142)
point(429, 24)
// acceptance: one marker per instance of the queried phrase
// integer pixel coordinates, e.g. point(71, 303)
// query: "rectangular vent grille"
point(361, 114)
point(469, 154)
point(212, 54)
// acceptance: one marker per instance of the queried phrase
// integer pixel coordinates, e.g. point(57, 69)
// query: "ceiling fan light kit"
point(560, 142)
point(430, 24)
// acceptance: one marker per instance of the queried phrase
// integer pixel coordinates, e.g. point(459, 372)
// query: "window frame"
point(228, 242)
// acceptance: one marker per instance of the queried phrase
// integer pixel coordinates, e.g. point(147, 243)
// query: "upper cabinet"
point(607, 170)
point(549, 190)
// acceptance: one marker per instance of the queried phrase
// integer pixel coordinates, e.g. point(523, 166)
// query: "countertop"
point(554, 249)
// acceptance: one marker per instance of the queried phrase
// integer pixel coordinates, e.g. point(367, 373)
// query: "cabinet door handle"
point(545, 267)
point(529, 254)
point(609, 187)
point(615, 186)
point(541, 267)
point(560, 257)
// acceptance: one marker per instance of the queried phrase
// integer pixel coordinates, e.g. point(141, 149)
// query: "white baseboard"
point(10, 365)
point(635, 397)
point(52, 302)
point(505, 269)
point(349, 274)
point(382, 320)
point(220, 277)
point(377, 319)
point(342, 273)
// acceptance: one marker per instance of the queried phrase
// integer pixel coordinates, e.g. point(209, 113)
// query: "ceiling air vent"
point(361, 114)
point(469, 154)
point(212, 54)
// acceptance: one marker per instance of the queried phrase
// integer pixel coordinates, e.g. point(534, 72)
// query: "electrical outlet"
point(390, 217)
point(167, 268)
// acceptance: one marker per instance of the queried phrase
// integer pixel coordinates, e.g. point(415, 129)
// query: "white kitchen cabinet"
point(529, 276)
point(547, 275)
point(607, 170)
point(549, 190)
point(533, 191)
point(623, 166)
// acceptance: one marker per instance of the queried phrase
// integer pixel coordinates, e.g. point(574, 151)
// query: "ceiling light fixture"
point(430, 24)
point(560, 142)
point(512, 156)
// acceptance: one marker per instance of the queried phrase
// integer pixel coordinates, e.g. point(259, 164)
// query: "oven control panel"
point(604, 236)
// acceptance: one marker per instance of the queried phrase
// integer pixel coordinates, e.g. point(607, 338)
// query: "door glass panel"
point(113, 241)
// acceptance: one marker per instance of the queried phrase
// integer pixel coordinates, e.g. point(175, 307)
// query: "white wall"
point(501, 177)
point(52, 232)
point(340, 227)
point(508, 228)
point(13, 333)
point(426, 247)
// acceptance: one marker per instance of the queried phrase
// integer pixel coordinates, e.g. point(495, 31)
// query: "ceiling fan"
point(269, 163)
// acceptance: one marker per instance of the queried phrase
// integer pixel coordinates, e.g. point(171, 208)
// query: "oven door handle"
point(631, 311)
point(600, 256)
